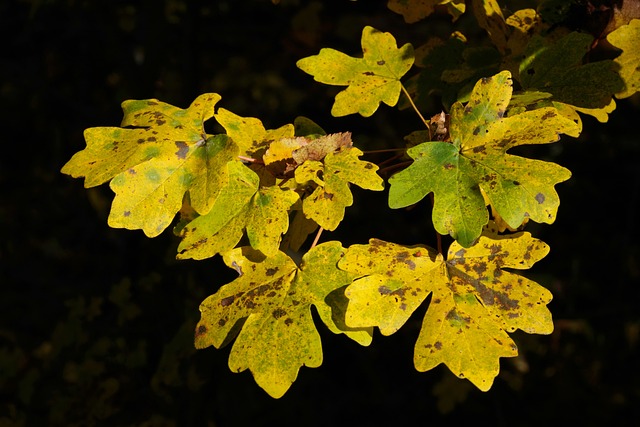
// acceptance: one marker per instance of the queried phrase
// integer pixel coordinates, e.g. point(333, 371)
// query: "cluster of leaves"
point(254, 195)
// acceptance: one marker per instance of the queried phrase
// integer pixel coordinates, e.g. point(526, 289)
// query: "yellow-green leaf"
point(627, 38)
point(249, 133)
point(476, 161)
point(152, 166)
point(475, 302)
point(327, 203)
point(372, 79)
point(273, 296)
point(263, 212)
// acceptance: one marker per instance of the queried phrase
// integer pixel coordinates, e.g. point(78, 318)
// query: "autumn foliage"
point(254, 196)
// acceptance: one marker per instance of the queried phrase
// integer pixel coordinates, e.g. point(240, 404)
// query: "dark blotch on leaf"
point(183, 149)
point(278, 313)
point(384, 290)
point(540, 198)
point(201, 330)
point(227, 301)
point(271, 271)
point(368, 73)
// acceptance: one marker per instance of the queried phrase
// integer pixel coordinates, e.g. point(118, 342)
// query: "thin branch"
point(389, 150)
point(251, 160)
point(315, 241)
point(426, 123)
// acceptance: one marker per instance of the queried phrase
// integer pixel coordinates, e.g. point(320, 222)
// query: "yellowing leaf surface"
point(372, 79)
point(474, 302)
point(273, 297)
point(476, 161)
point(332, 195)
point(263, 212)
point(627, 38)
point(152, 165)
point(249, 133)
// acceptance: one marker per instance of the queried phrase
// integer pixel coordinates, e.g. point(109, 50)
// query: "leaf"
point(275, 297)
point(490, 18)
point(476, 159)
point(152, 166)
point(626, 38)
point(263, 212)
point(328, 201)
point(249, 133)
point(372, 79)
point(474, 302)
point(558, 69)
point(416, 10)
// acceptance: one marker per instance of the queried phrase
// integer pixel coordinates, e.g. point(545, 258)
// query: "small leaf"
point(626, 38)
point(372, 79)
point(476, 160)
point(328, 201)
point(249, 133)
point(275, 297)
point(262, 211)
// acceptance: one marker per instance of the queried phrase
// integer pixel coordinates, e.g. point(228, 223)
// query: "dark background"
point(96, 324)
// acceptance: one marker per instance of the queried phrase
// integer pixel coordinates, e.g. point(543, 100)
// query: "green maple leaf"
point(626, 38)
point(263, 212)
point(152, 165)
point(327, 203)
point(474, 303)
point(274, 297)
point(372, 79)
point(558, 69)
point(476, 162)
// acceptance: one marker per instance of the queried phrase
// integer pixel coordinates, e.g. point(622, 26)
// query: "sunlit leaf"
point(476, 159)
point(372, 79)
point(273, 299)
point(475, 302)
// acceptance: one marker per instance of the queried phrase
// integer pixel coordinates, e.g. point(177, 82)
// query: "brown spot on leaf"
point(540, 198)
point(288, 321)
point(278, 313)
point(368, 73)
point(222, 322)
point(548, 115)
point(201, 330)
point(381, 62)
point(127, 213)
point(183, 149)
point(384, 290)
point(271, 271)
point(438, 345)
point(227, 301)
point(328, 196)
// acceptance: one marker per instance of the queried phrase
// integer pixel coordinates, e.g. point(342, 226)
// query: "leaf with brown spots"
point(161, 153)
point(331, 178)
point(370, 80)
point(476, 161)
point(475, 302)
point(262, 212)
point(270, 303)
